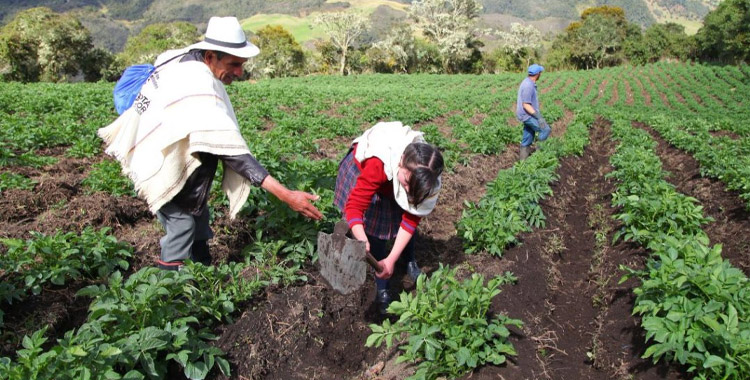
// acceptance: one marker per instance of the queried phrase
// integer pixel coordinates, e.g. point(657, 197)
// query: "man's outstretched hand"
point(301, 202)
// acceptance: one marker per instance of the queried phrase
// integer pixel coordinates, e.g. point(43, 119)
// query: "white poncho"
point(181, 110)
point(387, 141)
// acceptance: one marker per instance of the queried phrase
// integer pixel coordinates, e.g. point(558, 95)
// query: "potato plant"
point(695, 306)
point(445, 326)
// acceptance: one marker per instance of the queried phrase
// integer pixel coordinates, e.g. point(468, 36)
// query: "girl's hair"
point(425, 163)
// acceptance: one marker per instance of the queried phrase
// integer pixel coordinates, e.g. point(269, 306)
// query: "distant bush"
point(41, 45)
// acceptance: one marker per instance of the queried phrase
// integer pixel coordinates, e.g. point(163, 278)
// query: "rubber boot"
point(383, 300)
point(174, 265)
point(523, 153)
point(200, 252)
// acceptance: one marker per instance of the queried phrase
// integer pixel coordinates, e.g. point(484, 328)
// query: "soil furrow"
point(578, 322)
point(731, 218)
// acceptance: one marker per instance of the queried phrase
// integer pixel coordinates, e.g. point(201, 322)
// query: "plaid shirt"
point(381, 216)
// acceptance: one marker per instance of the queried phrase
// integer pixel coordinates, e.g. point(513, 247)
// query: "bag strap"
point(170, 60)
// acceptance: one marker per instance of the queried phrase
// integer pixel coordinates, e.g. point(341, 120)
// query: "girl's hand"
point(387, 266)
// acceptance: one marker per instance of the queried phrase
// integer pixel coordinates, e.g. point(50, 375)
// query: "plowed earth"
point(577, 318)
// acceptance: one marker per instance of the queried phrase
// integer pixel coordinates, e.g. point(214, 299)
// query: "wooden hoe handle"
point(373, 262)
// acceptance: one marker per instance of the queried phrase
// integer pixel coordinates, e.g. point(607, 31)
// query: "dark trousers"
point(379, 252)
point(186, 236)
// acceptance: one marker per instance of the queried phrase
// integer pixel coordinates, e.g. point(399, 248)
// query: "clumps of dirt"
point(144, 237)
point(56, 307)
point(589, 87)
point(231, 236)
point(98, 209)
point(56, 185)
point(478, 118)
point(302, 333)
point(615, 95)
point(600, 90)
point(331, 149)
point(722, 133)
point(24, 205)
point(561, 125)
point(466, 183)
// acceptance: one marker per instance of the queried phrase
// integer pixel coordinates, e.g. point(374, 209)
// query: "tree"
point(280, 54)
point(396, 53)
point(41, 45)
point(450, 25)
point(615, 13)
point(343, 29)
point(725, 34)
point(596, 40)
point(154, 39)
point(521, 41)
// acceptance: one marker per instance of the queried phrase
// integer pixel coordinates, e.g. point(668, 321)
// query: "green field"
point(645, 178)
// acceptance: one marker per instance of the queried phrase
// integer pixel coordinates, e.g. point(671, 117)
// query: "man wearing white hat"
point(169, 142)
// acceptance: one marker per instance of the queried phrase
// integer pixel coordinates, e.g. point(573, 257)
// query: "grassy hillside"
point(303, 26)
point(112, 21)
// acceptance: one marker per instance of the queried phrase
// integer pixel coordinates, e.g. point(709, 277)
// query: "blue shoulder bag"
point(130, 83)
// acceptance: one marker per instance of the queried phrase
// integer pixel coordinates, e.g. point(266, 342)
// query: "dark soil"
point(731, 218)
point(59, 203)
point(577, 319)
point(600, 89)
point(722, 133)
point(589, 87)
point(578, 322)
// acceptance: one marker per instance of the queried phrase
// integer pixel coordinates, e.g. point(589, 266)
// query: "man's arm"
point(247, 166)
point(296, 200)
point(530, 110)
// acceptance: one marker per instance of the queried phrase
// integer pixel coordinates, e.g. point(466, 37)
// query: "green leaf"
point(110, 351)
point(196, 371)
point(148, 364)
point(223, 365)
point(374, 340)
point(713, 361)
point(133, 375)
point(463, 356)
point(77, 351)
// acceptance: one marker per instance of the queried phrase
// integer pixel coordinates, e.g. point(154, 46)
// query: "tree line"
point(441, 37)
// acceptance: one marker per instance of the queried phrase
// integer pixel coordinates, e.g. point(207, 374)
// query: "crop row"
point(720, 157)
point(137, 325)
point(29, 265)
point(446, 326)
point(695, 306)
point(511, 203)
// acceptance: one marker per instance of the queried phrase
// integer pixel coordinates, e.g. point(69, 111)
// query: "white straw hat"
point(226, 35)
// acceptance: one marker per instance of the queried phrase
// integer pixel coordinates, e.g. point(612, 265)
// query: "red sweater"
point(371, 180)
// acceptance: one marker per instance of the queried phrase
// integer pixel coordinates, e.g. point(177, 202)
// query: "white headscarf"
point(387, 141)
